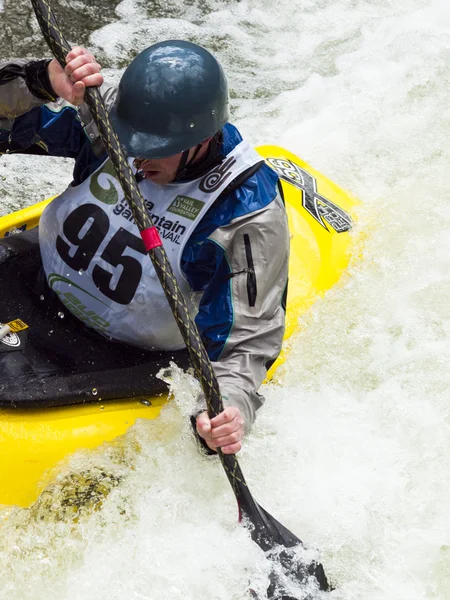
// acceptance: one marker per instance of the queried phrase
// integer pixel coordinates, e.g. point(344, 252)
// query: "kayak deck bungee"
point(90, 405)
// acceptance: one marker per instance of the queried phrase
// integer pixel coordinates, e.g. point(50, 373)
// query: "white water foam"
point(351, 449)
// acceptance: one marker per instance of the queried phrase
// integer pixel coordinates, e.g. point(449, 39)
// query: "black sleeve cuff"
point(38, 81)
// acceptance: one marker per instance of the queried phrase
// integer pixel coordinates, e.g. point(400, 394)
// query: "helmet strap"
point(184, 163)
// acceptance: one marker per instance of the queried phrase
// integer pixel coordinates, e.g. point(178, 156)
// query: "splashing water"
point(351, 449)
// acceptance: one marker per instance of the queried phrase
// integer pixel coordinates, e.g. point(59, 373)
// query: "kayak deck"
point(33, 443)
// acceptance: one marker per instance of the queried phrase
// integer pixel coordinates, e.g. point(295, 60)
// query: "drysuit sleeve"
point(242, 311)
point(34, 121)
point(24, 84)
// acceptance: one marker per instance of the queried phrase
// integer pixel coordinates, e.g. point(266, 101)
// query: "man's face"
point(159, 170)
point(164, 170)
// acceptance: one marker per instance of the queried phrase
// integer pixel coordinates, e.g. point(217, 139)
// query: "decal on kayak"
point(11, 339)
point(17, 325)
point(320, 208)
point(16, 336)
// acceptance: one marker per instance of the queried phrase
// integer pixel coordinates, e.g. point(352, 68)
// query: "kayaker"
point(216, 204)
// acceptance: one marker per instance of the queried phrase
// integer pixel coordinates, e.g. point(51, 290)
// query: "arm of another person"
point(241, 319)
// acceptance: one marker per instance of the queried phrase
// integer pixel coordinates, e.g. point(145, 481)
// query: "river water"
point(351, 450)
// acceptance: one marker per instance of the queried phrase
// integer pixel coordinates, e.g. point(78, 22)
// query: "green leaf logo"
point(109, 195)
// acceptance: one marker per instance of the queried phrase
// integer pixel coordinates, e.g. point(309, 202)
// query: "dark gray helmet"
point(171, 97)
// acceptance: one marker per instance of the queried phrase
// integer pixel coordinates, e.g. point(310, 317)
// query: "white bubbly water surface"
point(351, 450)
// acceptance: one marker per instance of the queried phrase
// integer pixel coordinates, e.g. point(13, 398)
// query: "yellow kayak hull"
point(33, 442)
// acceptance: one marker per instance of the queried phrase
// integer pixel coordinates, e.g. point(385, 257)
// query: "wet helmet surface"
point(171, 97)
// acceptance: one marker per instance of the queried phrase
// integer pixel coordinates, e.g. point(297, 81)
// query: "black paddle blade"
point(286, 551)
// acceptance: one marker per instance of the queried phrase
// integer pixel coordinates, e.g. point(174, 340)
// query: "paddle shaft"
point(197, 353)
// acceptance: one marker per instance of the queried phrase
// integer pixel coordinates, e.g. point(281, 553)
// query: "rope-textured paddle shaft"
point(197, 353)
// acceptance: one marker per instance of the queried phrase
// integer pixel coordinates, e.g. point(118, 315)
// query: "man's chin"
point(157, 177)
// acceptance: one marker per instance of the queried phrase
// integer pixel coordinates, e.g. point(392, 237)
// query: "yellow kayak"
point(34, 440)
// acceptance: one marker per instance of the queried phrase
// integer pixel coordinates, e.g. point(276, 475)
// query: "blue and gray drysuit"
point(234, 263)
